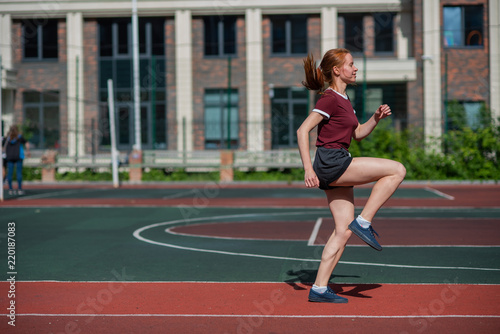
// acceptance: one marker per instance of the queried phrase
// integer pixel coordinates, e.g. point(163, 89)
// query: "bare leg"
point(388, 173)
point(341, 203)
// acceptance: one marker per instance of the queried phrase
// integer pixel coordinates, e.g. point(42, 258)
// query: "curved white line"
point(170, 231)
point(137, 235)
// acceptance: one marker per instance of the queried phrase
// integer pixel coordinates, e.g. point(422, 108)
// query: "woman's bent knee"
point(401, 171)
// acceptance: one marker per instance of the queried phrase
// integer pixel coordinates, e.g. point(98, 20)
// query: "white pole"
point(135, 61)
point(112, 133)
point(1, 128)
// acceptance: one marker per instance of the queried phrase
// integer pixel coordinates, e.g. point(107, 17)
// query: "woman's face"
point(348, 70)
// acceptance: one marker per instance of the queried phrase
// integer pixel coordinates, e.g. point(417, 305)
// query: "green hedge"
point(90, 175)
point(30, 174)
point(178, 175)
point(467, 154)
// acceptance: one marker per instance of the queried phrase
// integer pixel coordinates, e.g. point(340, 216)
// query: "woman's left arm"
point(363, 130)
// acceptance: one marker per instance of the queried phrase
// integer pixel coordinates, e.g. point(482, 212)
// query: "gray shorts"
point(329, 164)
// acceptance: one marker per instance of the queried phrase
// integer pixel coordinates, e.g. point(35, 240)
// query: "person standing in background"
point(4, 161)
point(15, 145)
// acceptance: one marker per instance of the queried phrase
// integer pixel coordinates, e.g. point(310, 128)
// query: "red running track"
point(139, 307)
point(465, 196)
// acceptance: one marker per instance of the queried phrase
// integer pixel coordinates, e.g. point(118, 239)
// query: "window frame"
point(221, 32)
point(392, 37)
point(222, 93)
point(394, 94)
point(463, 28)
point(289, 42)
point(152, 76)
point(41, 105)
point(359, 16)
point(41, 31)
point(290, 100)
point(147, 23)
point(469, 120)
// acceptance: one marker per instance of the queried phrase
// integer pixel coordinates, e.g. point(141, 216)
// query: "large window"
point(40, 39)
point(220, 35)
point(217, 123)
point(289, 109)
point(353, 33)
point(115, 37)
point(471, 114)
point(289, 34)
point(384, 32)
point(41, 115)
point(115, 62)
point(462, 26)
point(365, 102)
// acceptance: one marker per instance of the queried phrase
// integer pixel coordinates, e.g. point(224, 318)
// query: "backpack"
point(12, 150)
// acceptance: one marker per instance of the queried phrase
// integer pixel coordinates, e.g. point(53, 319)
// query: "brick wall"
point(91, 85)
point(369, 35)
point(212, 72)
point(285, 71)
point(468, 68)
point(415, 93)
point(41, 76)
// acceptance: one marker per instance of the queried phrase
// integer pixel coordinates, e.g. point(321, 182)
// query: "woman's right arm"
point(314, 118)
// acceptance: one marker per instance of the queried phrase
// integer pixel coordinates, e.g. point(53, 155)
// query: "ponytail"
point(314, 76)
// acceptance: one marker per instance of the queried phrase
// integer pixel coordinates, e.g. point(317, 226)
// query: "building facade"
point(227, 74)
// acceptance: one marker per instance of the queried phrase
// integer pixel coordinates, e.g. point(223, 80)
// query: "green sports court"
point(219, 258)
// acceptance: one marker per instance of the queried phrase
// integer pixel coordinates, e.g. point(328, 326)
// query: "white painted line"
point(417, 267)
point(56, 193)
point(263, 315)
point(179, 194)
point(137, 235)
point(430, 246)
point(170, 231)
point(439, 193)
point(315, 231)
point(244, 282)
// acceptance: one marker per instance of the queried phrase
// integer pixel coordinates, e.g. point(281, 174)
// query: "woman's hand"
point(382, 112)
point(310, 179)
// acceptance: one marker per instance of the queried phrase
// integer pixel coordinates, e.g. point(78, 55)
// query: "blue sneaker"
point(365, 234)
point(329, 296)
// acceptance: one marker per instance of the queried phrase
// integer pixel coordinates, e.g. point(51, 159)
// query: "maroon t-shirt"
point(339, 120)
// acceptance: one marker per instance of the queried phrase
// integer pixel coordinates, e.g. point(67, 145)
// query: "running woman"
point(334, 170)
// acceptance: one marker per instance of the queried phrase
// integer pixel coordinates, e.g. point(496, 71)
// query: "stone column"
point(404, 34)
point(255, 80)
point(226, 166)
point(76, 129)
point(135, 166)
point(6, 40)
point(48, 166)
point(494, 16)
point(329, 22)
point(184, 80)
point(432, 74)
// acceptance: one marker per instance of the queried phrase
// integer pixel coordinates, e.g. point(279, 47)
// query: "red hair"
point(316, 77)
